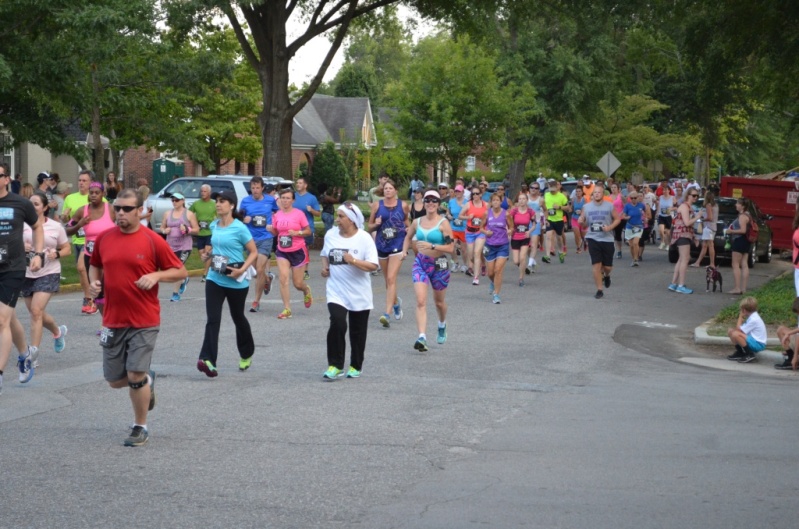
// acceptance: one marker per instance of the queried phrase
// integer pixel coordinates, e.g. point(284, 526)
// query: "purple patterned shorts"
point(424, 271)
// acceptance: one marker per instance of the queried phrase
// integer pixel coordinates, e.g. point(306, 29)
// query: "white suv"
point(189, 187)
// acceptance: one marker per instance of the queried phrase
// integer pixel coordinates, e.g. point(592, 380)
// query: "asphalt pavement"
point(551, 409)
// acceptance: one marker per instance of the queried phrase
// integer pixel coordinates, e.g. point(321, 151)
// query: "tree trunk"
point(98, 159)
point(516, 174)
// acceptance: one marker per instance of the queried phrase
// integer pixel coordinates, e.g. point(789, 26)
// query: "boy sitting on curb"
point(749, 335)
point(787, 337)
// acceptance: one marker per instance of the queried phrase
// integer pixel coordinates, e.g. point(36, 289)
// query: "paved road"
point(552, 409)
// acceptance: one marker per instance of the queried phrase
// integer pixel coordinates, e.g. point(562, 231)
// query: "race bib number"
point(457, 222)
point(219, 264)
point(3, 253)
point(389, 233)
point(577, 212)
point(485, 250)
point(596, 227)
point(442, 264)
point(203, 225)
point(521, 228)
point(106, 337)
point(636, 230)
point(336, 256)
point(476, 222)
point(259, 221)
point(89, 246)
point(550, 212)
point(81, 233)
point(285, 241)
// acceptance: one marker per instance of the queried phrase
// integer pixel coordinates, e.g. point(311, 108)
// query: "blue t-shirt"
point(302, 202)
point(261, 213)
point(228, 242)
point(455, 210)
point(636, 214)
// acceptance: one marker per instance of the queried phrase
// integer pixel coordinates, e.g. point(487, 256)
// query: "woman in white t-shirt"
point(39, 286)
point(349, 255)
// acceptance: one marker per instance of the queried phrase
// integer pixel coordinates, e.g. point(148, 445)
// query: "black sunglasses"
point(2, 175)
point(431, 200)
point(126, 209)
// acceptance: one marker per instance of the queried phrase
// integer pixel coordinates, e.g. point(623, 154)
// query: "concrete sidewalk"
point(701, 337)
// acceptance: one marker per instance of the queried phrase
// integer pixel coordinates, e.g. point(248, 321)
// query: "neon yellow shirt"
point(558, 199)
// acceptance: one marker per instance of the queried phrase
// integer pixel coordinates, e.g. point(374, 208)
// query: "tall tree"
point(261, 28)
point(449, 103)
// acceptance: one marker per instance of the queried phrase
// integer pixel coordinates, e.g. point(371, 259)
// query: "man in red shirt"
point(140, 260)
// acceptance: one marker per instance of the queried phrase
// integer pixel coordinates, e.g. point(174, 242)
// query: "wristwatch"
point(432, 246)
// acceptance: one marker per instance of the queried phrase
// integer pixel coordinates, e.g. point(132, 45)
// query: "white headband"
point(354, 214)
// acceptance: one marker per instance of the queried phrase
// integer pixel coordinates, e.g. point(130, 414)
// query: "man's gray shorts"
point(127, 349)
point(264, 247)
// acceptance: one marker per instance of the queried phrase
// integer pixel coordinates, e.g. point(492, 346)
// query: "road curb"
point(701, 337)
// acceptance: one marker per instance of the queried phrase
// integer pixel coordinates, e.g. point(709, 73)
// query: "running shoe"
point(469, 272)
point(202, 280)
point(286, 314)
point(421, 345)
point(442, 334)
point(308, 299)
point(152, 391)
point(662, 246)
point(183, 285)
point(521, 282)
point(546, 259)
point(748, 357)
point(207, 367)
point(85, 307)
point(175, 297)
point(606, 281)
point(332, 373)
point(490, 287)
point(306, 276)
point(599, 294)
point(682, 289)
point(464, 269)
point(476, 280)
point(528, 269)
point(92, 307)
point(60, 343)
point(562, 257)
point(618, 255)
point(245, 363)
point(737, 355)
point(495, 299)
point(385, 321)
point(785, 365)
point(268, 283)
point(255, 307)
point(25, 367)
point(138, 436)
point(673, 287)
point(634, 263)
point(483, 270)
point(398, 309)
point(353, 373)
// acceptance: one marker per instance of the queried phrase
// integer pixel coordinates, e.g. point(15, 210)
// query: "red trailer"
point(774, 197)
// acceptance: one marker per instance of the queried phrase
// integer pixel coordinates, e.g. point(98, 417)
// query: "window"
point(471, 163)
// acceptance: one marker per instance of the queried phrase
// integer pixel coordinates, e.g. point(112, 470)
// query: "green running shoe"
point(332, 374)
point(353, 373)
point(442, 334)
point(245, 363)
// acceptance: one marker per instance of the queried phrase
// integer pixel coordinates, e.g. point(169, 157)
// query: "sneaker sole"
point(420, 347)
point(385, 322)
point(134, 444)
point(205, 369)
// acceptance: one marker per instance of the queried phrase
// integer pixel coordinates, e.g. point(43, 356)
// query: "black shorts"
point(741, 244)
point(517, 244)
point(557, 226)
point(618, 231)
point(10, 286)
point(601, 252)
point(683, 241)
point(201, 241)
point(664, 221)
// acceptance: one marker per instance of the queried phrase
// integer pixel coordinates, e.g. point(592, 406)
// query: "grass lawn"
point(774, 300)
point(70, 273)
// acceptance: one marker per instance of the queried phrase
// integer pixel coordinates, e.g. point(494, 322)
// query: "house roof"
point(336, 119)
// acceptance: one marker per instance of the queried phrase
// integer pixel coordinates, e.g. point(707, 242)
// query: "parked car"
point(189, 187)
point(760, 251)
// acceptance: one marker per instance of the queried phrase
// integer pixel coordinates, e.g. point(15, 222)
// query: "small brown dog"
point(712, 275)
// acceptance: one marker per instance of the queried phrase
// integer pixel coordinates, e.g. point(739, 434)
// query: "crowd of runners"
point(444, 230)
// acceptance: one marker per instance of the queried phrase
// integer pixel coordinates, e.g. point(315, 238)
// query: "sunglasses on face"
point(431, 200)
point(692, 195)
point(126, 209)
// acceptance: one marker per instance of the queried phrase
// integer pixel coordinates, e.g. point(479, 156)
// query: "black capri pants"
point(215, 296)
point(336, 336)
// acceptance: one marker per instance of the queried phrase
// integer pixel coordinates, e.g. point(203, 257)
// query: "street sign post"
point(608, 164)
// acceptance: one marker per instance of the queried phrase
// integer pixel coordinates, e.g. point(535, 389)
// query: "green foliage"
point(449, 102)
point(329, 171)
point(357, 80)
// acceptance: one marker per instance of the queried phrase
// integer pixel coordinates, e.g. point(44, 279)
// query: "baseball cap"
point(458, 187)
point(268, 188)
point(227, 195)
point(44, 175)
point(62, 187)
point(178, 196)
point(552, 181)
point(432, 193)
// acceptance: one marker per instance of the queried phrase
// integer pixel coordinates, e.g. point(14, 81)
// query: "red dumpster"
point(774, 197)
